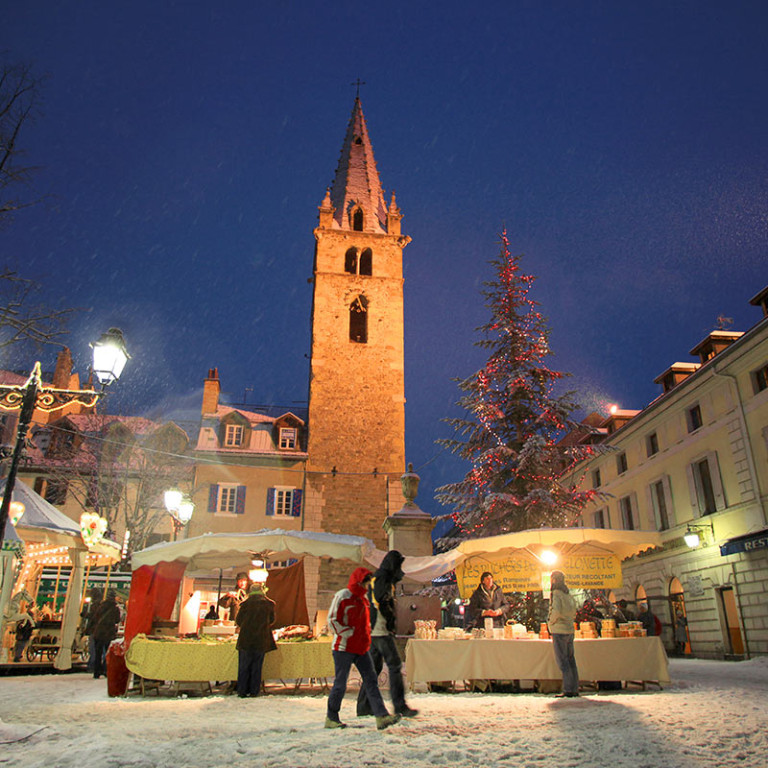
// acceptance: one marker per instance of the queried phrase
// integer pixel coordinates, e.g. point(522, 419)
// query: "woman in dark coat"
point(255, 617)
point(105, 622)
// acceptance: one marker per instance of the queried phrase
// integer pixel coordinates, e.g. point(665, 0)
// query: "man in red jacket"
point(349, 621)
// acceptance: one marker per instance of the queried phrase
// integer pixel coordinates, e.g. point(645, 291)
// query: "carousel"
point(38, 536)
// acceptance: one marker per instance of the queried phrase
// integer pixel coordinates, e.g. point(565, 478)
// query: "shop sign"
point(522, 572)
point(752, 543)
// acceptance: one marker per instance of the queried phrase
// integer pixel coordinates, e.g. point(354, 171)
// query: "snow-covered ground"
point(713, 714)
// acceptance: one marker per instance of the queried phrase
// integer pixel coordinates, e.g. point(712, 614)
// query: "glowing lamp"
point(16, 512)
point(173, 499)
point(184, 511)
point(548, 557)
point(258, 574)
point(109, 356)
point(613, 408)
point(692, 535)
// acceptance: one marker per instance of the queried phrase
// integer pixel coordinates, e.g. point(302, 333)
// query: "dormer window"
point(287, 438)
point(233, 437)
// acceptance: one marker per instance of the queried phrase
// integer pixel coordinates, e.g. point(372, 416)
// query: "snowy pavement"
point(713, 714)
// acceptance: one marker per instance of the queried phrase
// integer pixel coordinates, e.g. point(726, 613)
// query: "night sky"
point(182, 151)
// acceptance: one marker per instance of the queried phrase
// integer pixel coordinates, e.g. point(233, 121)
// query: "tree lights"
point(515, 421)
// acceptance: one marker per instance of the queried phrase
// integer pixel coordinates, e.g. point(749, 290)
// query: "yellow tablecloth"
point(627, 658)
point(192, 661)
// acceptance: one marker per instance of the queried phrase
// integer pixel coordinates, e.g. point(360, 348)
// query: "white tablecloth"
point(626, 658)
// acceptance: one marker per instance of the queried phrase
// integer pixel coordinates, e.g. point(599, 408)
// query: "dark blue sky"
point(183, 152)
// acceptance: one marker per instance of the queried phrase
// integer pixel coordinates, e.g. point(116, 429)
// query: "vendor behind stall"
point(488, 601)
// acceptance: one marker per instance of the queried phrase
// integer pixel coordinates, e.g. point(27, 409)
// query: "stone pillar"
point(409, 531)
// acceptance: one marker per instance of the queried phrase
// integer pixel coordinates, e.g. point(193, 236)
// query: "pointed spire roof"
point(357, 183)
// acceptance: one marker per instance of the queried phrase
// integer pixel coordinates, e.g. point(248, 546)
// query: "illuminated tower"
point(357, 394)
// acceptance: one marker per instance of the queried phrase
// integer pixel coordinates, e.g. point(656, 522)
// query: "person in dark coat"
point(647, 619)
point(383, 608)
point(88, 616)
point(25, 625)
point(105, 622)
point(487, 601)
point(255, 617)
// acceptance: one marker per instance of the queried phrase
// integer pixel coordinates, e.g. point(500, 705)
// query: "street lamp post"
point(109, 358)
point(179, 508)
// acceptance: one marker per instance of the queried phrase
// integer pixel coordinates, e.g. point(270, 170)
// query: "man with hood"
point(562, 612)
point(255, 617)
point(381, 595)
point(350, 622)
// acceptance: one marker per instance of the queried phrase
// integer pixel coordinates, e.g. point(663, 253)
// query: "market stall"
point(202, 661)
point(635, 659)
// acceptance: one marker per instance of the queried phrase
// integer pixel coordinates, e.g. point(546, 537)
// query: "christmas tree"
point(514, 422)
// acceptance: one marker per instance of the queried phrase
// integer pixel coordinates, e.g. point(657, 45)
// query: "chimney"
point(714, 344)
point(617, 420)
point(63, 369)
point(676, 373)
point(761, 300)
point(211, 390)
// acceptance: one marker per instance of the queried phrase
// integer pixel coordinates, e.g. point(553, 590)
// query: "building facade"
point(695, 461)
point(249, 468)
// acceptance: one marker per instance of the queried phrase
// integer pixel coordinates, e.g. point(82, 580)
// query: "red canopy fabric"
point(154, 590)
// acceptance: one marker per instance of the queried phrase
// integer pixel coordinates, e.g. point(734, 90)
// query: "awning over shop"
point(749, 542)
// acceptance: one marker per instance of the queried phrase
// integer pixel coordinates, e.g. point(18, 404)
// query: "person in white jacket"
point(562, 612)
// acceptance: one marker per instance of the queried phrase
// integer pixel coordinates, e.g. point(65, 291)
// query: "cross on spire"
point(357, 85)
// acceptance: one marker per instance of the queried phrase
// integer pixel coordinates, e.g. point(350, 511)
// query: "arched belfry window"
point(350, 261)
point(358, 320)
point(366, 262)
point(357, 220)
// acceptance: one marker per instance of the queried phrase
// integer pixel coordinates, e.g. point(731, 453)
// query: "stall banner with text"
point(522, 572)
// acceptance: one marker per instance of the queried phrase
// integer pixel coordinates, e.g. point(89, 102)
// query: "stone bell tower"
point(357, 393)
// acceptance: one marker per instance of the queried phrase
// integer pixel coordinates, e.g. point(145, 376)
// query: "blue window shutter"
point(213, 497)
point(270, 501)
point(240, 500)
point(296, 504)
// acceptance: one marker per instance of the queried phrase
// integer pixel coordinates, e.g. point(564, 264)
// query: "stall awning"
point(750, 542)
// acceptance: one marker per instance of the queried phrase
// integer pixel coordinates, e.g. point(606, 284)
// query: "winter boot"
point(386, 721)
point(334, 723)
point(406, 711)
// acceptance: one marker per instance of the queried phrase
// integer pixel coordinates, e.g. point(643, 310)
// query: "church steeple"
point(356, 193)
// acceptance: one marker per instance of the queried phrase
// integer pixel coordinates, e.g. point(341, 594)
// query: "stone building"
point(695, 461)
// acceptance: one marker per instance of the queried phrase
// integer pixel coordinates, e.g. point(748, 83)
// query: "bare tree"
point(19, 94)
point(120, 468)
point(23, 320)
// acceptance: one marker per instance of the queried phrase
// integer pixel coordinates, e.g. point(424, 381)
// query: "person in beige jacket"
point(562, 612)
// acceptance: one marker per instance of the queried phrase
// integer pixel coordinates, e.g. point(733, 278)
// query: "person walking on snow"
point(383, 620)
point(349, 621)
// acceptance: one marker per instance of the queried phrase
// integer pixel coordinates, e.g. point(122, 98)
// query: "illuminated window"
point(358, 320)
point(233, 436)
point(287, 438)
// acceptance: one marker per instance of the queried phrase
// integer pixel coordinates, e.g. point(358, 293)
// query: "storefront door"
point(729, 615)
